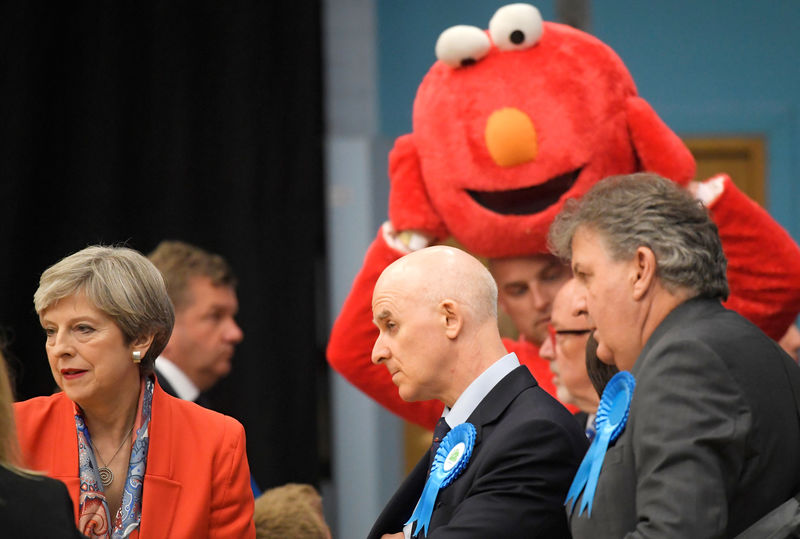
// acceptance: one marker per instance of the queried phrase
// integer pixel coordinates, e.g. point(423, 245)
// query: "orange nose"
point(511, 137)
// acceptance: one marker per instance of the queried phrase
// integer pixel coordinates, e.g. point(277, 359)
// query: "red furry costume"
point(502, 139)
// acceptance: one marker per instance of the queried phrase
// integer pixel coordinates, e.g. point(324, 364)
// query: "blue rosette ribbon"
point(450, 460)
point(612, 415)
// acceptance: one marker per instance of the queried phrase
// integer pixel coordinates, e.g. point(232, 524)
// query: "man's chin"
point(211, 378)
point(223, 369)
point(604, 355)
point(408, 395)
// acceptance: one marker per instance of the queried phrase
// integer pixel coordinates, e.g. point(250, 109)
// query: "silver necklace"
point(106, 475)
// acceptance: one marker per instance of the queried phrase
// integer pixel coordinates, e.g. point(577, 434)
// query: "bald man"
point(436, 310)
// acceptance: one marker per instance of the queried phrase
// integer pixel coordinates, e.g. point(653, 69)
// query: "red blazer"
point(197, 482)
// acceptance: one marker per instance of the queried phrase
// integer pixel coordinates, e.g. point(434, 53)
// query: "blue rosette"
point(612, 415)
point(450, 460)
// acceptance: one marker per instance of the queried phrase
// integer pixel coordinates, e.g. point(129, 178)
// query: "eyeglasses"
point(555, 332)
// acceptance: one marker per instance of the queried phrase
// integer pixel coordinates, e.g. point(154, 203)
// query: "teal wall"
point(708, 67)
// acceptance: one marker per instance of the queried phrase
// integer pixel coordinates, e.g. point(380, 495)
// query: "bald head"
point(440, 272)
point(436, 310)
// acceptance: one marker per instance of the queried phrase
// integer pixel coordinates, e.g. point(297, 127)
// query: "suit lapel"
point(64, 462)
point(501, 396)
point(402, 504)
point(161, 492)
point(159, 501)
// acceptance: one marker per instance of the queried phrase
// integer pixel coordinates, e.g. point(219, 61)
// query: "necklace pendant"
point(106, 476)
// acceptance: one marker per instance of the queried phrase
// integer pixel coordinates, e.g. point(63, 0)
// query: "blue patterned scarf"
point(94, 516)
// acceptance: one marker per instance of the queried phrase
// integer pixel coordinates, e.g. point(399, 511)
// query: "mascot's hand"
point(410, 208)
point(405, 241)
point(708, 191)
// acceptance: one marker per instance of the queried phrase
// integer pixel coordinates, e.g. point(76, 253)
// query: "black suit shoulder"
point(518, 403)
point(33, 506)
point(164, 383)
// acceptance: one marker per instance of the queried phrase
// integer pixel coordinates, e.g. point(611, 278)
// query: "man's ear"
point(452, 317)
point(501, 302)
point(643, 271)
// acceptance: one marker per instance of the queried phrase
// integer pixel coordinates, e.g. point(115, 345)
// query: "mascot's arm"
point(657, 147)
point(410, 207)
point(763, 260)
point(353, 336)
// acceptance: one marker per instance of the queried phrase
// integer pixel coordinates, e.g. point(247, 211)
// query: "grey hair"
point(120, 282)
point(647, 210)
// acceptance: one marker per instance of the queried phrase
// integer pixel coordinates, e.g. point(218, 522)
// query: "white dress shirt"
point(184, 387)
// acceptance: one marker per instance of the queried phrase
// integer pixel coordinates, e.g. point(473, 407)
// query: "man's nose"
point(547, 351)
point(380, 352)
point(540, 296)
point(233, 332)
point(579, 306)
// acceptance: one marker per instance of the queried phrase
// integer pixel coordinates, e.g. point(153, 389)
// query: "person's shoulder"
point(536, 423)
point(194, 417)
point(532, 404)
point(537, 404)
point(40, 406)
point(39, 487)
point(35, 505)
point(194, 412)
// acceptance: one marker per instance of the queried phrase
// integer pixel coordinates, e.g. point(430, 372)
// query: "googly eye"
point(461, 46)
point(515, 27)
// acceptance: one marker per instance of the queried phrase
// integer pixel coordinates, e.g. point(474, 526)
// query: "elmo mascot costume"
point(507, 125)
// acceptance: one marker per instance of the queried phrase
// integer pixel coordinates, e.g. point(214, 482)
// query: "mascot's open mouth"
point(528, 200)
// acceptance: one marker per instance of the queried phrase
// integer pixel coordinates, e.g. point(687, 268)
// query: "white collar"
point(478, 389)
point(184, 387)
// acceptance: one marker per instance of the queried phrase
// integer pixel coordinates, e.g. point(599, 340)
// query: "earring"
point(137, 356)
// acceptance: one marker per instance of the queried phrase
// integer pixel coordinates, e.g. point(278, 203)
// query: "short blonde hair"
point(120, 282)
point(291, 511)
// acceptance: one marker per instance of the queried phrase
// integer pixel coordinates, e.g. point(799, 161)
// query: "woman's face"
point(87, 352)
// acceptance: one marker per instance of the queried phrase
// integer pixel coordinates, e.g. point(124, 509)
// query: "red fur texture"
point(587, 118)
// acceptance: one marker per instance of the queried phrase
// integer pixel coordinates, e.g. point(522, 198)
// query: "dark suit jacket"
point(527, 450)
point(163, 381)
point(712, 441)
point(34, 507)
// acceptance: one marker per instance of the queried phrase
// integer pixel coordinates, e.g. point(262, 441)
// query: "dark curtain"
point(133, 122)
